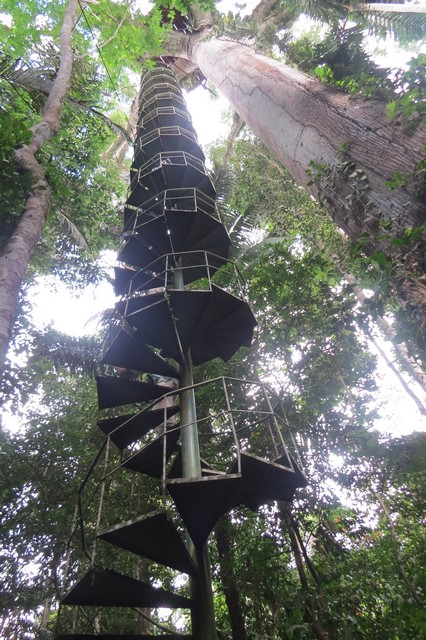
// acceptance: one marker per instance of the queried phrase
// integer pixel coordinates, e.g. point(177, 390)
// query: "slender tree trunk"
point(229, 586)
point(311, 617)
point(346, 142)
point(144, 625)
point(20, 248)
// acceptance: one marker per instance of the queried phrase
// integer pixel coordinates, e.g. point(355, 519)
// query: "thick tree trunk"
point(346, 142)
point(20, 248)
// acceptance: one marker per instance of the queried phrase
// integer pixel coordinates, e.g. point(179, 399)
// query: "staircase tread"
point(124, 276)
point(128, 428)
point(101, 587)
point(136, 253)
point(115, 392)
point(127, 351)
point(149, 459)
point(152, 536)
point(263, 480)
point(154, 323)
point(201, 502)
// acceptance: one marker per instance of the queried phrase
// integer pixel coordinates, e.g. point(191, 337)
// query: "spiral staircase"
point(204, 449)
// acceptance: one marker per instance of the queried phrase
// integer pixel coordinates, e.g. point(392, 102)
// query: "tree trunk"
point(229, 586)
point(144, 625)
point(346, 142)
point(311, 606)
point(21, 245)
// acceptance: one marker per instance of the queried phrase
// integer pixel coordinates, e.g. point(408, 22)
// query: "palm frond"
point(115, 128)
point(74, 231)
point(75, 355)
point(404, 27)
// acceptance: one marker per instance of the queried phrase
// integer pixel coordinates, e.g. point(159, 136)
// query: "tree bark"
point(18, 252)
point(346, 141)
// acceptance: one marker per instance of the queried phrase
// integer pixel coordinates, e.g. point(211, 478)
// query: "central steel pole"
point(203, 618)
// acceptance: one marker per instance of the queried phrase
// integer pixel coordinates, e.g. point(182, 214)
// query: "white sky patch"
point(388, 53)
point(207, 115)
point(6, 19)
point(228, 5)
point(42, 21)
point(304, 25)
point(54, 306)
point(398, 413)
point(143, 6)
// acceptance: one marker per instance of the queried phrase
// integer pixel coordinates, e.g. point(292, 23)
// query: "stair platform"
point(154, 323)
point(152, 536)
point(263, 480)
point(101, 587)
point(138, 253)
point(179, 231)
point(213, 323)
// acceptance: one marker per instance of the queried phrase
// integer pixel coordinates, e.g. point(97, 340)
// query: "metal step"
point(263, 480)
point(150, 459)
point(128, 428)
point(127, 351)
point(152, 536)
point(137, 280)
point(139, 253)
point(154, 323)
point(166, 139)
point(201, 502)
point(101, 587)
point(115, 392)
point(211, 323)
point(188, 308)
point(164, 117)
point(226, 325)
point(173, 170)
point(175, 231)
